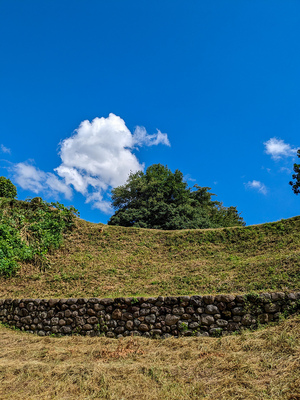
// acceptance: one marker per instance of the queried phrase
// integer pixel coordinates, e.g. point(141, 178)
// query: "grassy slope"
point(106, 261)
point(254, 365)
point(99, 260)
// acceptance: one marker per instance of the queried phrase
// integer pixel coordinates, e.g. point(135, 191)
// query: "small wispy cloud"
point(142, 138)
point(286, 170)
point(33, 179)
point(96, 199)
point(188, 177)
point(5, 149)
point(277, 148)
point(258, 186)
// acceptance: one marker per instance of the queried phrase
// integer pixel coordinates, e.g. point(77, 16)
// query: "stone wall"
point(149, 317)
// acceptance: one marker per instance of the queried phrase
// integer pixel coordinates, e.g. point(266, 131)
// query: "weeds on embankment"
point(97, 260)
point(29, 230)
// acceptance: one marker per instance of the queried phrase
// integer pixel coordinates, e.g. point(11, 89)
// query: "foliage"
point(29, 230)
point(7, 188)
point(296, 184)
point(160, 199)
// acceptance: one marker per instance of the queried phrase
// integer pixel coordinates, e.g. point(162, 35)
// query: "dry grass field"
point(253, 365)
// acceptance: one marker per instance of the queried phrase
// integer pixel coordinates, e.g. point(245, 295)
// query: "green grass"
point(109, 261)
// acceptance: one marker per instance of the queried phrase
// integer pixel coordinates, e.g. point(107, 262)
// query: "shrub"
point(7, 188)
point(29, 230)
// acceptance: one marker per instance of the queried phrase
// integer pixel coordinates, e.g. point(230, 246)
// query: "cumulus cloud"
point(98, 154)
point(257, 185)
point(97, 157)
point(277, 148)
point(5, 149)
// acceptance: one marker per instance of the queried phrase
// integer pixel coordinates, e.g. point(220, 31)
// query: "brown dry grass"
point(107, 261)
point(254, 365)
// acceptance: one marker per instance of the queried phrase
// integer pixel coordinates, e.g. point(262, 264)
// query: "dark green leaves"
point(296, 176)
point(160, 199)
point(7, 188)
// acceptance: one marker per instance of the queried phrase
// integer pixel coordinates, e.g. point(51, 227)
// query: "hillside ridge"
point(97, 260)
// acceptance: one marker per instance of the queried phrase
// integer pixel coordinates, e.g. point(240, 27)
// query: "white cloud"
point(73, 177)
point(31, 178)
point(57, 185)
point(277, 148)
point(98, 154)
point(97, 201)
point(141, 137)
point(188, 177)
point(97, 157)
point(257, 185)
point(5, 149)
point(286, 170)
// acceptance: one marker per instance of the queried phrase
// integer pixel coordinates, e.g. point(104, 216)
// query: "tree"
point(296, 185)
point(7, 188)
point(160, 199)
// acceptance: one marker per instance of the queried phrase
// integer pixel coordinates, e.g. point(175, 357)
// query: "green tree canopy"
point(296, 176)
point(160, 199)
point(7, 188)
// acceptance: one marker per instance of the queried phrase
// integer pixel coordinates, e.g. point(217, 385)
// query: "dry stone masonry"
point(148, 317)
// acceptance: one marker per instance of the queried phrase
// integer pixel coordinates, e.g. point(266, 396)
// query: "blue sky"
point(92, 90)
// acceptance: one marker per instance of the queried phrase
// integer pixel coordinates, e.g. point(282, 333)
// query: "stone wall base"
point(148, 317)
